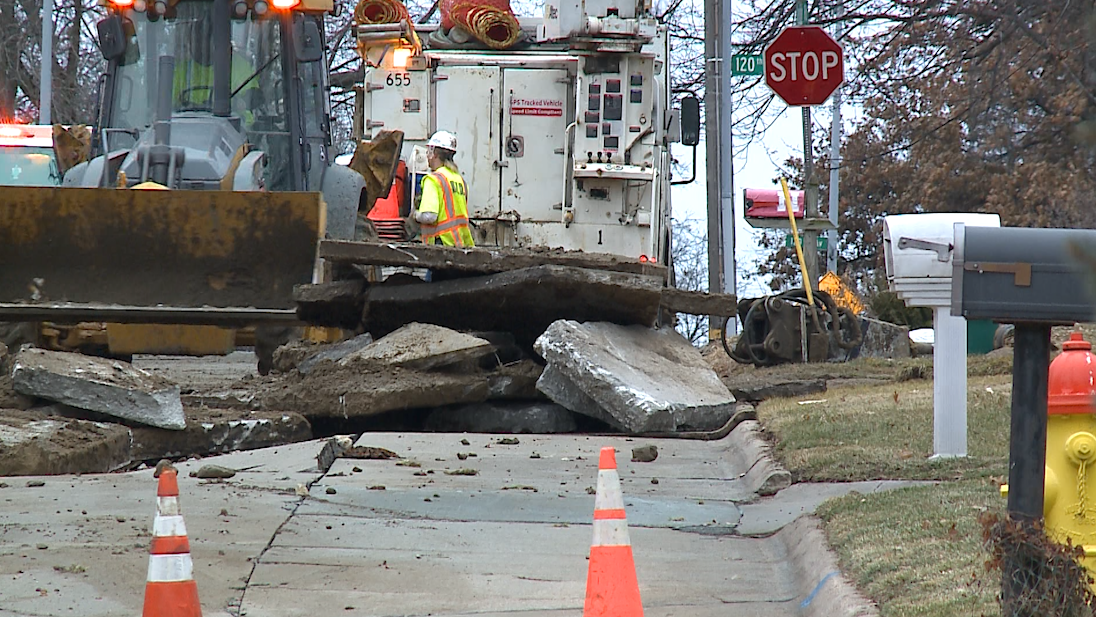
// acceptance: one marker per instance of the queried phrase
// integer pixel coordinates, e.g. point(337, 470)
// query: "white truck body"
point(563, 144)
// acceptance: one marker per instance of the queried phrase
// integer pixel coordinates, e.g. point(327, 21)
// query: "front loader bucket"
point(213, 257)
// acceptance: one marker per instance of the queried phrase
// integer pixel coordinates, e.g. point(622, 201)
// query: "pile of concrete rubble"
point(68, 413)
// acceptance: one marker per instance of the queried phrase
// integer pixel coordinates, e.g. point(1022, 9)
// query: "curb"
point(764, 475)
point(824, 589)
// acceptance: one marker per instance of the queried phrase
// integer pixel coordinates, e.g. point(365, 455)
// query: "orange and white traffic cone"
point(170, 590)
point(612, 589)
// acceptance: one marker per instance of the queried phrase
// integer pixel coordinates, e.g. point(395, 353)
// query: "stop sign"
point(804, 65)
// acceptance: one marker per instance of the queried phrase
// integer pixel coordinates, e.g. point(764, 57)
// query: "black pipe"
point(161, 131)
point(222, 58)
point(292, 86)
point(1027, 451)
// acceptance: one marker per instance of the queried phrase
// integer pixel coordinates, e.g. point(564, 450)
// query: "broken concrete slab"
point(517, 380)
point(359, 388)
point(480, 259)
point(756, 392)
point(882, 339)
point(698, 302)
point(218, 431)
point(34, 444)
point(558, 387)
point(110, 387)
point(236, 399)
point(422, 347)
point(334, 352)
point(503, 417)
point(645, 380)
point(304, 355)
point(336, 304)
point(524, 302)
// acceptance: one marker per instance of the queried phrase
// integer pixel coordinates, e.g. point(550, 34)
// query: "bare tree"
point(689, 255)
point(76, 61)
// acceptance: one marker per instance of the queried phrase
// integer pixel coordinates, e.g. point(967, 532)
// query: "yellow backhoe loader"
point(225, 104)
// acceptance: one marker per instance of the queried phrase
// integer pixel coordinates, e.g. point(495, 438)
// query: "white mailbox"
point(918, 250)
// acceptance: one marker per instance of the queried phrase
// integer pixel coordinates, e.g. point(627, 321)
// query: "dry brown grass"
point(885, 432)
point(918, 551)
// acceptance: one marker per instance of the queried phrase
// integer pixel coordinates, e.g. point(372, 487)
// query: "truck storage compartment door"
point(397, 99)
point(468, 106)
point(534, 131)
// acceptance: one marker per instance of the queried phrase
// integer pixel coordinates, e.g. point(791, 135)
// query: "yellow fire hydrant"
point(1069, 496)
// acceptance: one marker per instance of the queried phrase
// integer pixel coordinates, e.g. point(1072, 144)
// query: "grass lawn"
point(918, 551)
point(885, 432)
point(914, 551)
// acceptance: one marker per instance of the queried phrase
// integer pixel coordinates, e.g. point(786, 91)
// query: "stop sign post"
point(804, 65)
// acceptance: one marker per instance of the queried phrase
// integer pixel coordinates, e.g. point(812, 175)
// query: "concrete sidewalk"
point(514, 537)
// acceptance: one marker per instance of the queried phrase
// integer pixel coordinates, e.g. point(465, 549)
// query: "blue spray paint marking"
point(807, 601)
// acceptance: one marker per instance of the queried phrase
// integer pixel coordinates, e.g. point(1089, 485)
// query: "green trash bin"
point(980, 336)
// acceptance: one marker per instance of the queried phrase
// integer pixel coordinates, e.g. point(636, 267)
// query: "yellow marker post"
point(795, 239)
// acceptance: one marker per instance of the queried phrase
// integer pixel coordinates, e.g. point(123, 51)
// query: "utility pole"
point(835, 166)
point(45, 90)
point(810, 237)
point(726, 159)
point(713, 23)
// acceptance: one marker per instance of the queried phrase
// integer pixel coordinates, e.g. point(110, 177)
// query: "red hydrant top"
point(1071, 384)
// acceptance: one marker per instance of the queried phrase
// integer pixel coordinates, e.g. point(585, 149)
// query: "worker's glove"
point(412, 224)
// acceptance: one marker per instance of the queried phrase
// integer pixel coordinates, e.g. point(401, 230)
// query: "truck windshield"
point(27, 166)
point(186, 34)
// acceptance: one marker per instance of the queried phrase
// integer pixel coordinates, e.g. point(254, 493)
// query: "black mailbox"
point(1019, 274)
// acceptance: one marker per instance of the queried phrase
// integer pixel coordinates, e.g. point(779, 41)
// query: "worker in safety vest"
point(443, 211)
point(192, 89)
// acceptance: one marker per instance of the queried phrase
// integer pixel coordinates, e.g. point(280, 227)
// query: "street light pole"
point(726, 159)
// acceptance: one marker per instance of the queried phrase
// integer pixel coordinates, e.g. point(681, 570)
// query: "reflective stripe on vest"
point(452, 222)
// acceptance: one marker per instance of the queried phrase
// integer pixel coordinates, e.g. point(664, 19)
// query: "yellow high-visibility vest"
point(444, 192)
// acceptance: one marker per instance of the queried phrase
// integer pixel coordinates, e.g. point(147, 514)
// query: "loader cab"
point(226, 75)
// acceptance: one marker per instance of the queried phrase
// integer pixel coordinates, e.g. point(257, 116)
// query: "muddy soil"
point(9, 398)
point(360, 388)
point(39, 444)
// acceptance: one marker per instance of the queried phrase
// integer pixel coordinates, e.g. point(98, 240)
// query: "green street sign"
point(747, 64)
point(823, 242)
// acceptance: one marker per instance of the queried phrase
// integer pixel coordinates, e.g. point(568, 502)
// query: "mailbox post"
point(918, 253)
point(1026, 277)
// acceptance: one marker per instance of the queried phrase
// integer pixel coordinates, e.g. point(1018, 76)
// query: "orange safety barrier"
point(170, 590)
point(612, 589)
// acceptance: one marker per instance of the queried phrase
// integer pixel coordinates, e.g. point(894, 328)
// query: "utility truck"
point(563, 141)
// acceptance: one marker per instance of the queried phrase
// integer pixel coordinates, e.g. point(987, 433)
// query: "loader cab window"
point(185, 33)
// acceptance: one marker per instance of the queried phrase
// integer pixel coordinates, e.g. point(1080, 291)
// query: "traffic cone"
point(612, 589)
point(170, 590)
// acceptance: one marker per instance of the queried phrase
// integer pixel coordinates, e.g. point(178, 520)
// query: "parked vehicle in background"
point(26, 156)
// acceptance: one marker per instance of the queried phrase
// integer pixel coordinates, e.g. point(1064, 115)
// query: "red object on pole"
point(804, 65)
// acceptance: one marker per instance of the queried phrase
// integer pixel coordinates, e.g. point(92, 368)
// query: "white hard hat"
point(443, 139)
